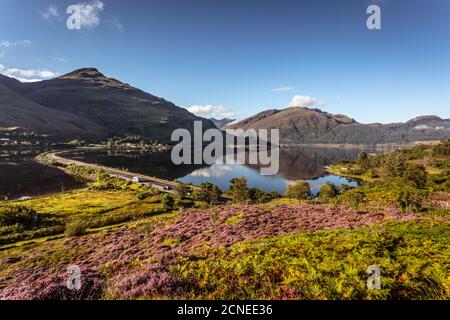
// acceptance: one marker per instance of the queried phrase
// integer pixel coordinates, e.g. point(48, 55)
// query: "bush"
point(442, 149)
point(142, 195)
point(260, 196)
point(353, 198)
point(239, 191)
point(182, 190)
point(299, 190)
point(75, 228)
point(410, 200)
point(207, 192)
point(344, 187)
point(393, 165)
point(168, 202)
point(415, 175)
point(363, 160)
point(328, 191)
point(24, 217)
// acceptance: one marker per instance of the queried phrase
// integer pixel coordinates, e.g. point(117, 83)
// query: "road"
point(160, 184)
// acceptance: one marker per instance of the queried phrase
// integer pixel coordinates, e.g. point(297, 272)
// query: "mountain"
point(221, 123)
point(18, 111)
point(118, 108)
point(299, 125)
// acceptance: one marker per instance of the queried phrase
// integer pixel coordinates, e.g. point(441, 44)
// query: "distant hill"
point(117, 108)
point(18, 111)
point(221, 123)
point(299, 125)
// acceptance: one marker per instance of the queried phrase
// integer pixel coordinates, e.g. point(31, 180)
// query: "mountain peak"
point(83, 73)
point(94, 77)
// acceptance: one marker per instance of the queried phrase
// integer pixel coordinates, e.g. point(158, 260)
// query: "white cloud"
point(421, 127)
point(62, 60)
point(9, 44)
point(282, 89)
point(51, 12)
point(27, 75)
point(305, 101)
point(115, 24)
point(89, 13)
point(210, 111)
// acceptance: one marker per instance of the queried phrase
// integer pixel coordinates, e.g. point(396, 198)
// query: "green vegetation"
point(414, 259)
point(20, 217)
point(328, 192)
point(238, 191)
point(207, 192)
point(239, 250)
point(408, 179)
point(77, 210)
point(168, 202)
point(299, 190)
point(76, 228)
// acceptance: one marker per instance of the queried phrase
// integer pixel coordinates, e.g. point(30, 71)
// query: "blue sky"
point(228, 56)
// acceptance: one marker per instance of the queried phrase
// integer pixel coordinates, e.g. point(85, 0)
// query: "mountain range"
point(85, 103)
point(299, 125)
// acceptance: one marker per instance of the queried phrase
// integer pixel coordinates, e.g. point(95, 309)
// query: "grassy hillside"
point(133, 243)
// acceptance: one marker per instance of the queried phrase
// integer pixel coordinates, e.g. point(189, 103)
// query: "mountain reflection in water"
point(306, 163)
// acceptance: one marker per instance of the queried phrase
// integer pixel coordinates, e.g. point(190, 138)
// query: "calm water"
point(22, 176)
point(306, 163)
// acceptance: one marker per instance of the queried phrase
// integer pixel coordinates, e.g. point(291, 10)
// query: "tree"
point(328, 191)
point(260, 196)
point(239, 191)
point(415, 175)
point(168, 202)
point(182, 190)
point(299, 190)
point(207, 192)
point(363, 160)
point(394, 165)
